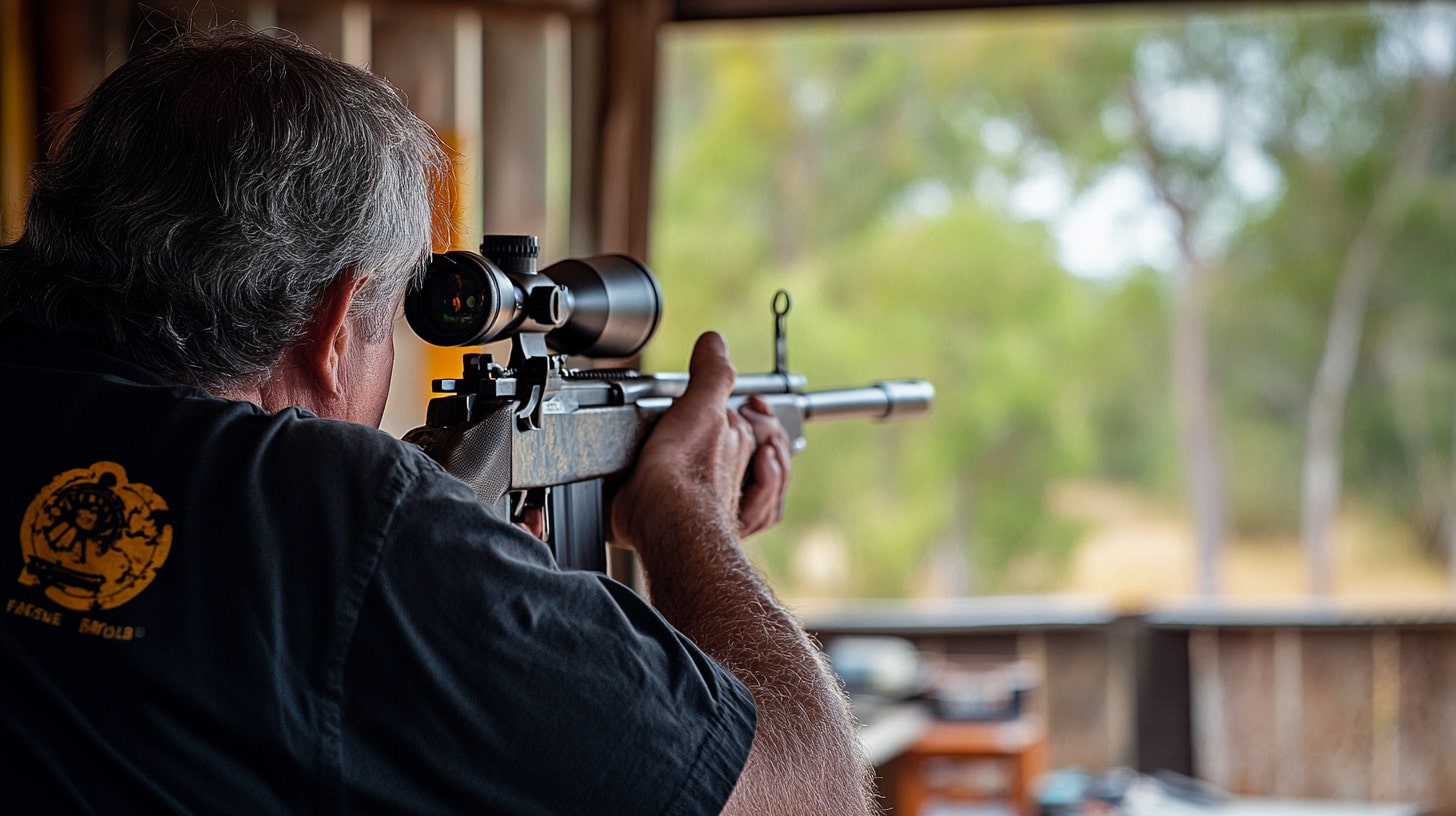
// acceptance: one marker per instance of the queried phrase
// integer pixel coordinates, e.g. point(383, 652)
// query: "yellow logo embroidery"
point(91, 538)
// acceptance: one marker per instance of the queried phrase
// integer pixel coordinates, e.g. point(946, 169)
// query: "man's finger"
point(762, 493)
point(710, 374)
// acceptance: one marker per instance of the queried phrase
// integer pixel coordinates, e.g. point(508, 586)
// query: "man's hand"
point(681, 508)
point(704, 463)
point(762, 504)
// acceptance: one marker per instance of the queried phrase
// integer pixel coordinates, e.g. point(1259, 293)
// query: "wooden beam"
point(690, 10)
point(684, 10)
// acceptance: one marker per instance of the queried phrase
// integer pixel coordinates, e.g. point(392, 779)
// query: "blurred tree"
point(1355, 128)
point(913, 186)
point(1412, 160)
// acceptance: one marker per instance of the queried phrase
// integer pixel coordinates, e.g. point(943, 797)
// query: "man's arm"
point(681, 510)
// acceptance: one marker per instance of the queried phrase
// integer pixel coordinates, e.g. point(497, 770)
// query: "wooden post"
point(17, 114)
point(613, 96)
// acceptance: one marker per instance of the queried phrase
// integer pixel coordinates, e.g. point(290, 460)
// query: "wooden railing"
point(1312, 702)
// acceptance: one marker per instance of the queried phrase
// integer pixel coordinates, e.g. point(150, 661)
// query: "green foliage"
point(876, 173)
point(1127, 378)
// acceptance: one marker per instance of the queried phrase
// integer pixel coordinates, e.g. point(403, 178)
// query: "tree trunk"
point(1321, 488)
point(1192, 375)
point(1448, 526)
point(1193, 393)
point(1322, 467)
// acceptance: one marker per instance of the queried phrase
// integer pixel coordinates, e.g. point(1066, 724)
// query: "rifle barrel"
point(894, 399)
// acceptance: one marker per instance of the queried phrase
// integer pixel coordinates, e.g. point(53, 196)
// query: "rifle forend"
point(536, 433)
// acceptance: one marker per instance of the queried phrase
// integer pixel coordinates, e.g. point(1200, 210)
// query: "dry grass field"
point(1141, 554)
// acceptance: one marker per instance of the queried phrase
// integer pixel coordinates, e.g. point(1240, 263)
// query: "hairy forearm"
point(806, 756)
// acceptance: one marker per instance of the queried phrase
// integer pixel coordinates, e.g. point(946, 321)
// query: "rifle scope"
point(603, 306)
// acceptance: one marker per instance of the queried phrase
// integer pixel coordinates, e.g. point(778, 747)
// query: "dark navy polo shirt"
point(211, 609)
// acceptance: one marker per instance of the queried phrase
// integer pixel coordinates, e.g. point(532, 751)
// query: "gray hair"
point(201, 199)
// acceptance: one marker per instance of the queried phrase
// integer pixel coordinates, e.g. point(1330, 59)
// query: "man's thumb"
point(710, 372)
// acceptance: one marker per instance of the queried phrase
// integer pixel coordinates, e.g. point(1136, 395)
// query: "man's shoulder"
point(187, 441)
point(313, 440)
point(297, 451)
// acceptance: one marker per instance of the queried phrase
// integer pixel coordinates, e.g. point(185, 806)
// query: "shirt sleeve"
point(480, 678)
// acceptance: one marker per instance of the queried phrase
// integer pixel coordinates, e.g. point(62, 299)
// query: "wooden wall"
point(1343, 713)
point(1314, 705)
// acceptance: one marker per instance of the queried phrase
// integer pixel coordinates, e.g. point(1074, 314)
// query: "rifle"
point(537, 433)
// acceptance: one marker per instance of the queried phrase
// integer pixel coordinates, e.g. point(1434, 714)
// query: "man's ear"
point(331, 333)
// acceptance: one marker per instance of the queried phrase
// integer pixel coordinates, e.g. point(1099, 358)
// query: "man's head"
point(207, 200)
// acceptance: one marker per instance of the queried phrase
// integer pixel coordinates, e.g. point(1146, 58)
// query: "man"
point(231, 595)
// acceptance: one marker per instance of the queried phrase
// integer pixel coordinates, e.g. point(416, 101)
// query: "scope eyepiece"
point(463, 300)
point(604, 306)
